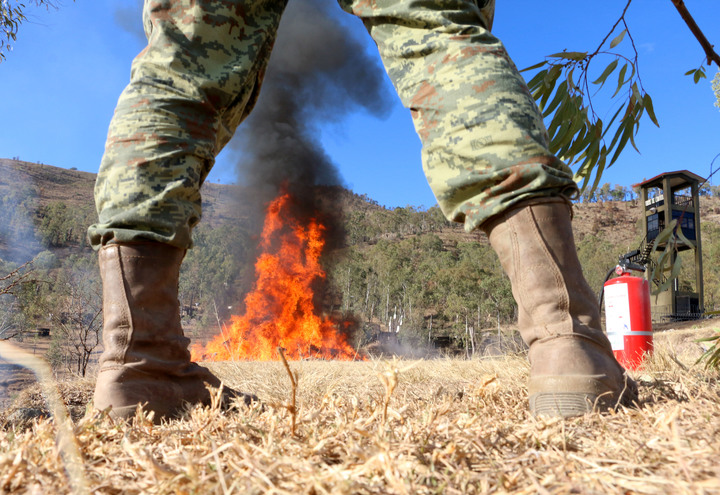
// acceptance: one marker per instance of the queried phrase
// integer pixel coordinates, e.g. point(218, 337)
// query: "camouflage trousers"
point(484, 145)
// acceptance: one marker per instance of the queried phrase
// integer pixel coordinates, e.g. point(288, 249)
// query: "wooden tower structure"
point(666, 197)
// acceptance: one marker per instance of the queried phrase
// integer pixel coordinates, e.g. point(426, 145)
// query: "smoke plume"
point(318, 74)
point(129, 18)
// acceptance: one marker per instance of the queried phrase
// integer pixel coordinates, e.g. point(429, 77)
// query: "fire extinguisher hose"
point(602, 287)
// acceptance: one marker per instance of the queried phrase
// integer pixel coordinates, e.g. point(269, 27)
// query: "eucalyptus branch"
point(15, 278)
point(636, 60)
point(12, 15)
point(710, 53)
point(577, 133)
point(612, 30)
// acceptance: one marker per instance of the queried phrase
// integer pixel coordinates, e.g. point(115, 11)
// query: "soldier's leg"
point(484, 144)
point(197, 79)
point(190, 87)
point(486, 157)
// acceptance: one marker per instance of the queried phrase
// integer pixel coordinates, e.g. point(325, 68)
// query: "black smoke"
point(319, 73)
point(129, 18)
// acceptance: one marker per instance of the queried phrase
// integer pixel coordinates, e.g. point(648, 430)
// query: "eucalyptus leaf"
point(536, 66)
point(608, 70)
point(662, 288)
point(571, 80)
point(657, 275)
point(599, 171)
point(666, 234)
point(622, 130)
point(537, 79)
point(612, 121)
point(552, 76)
point(712, 355)
point(647, 102)
point(674, 272)
point(570, 55)
point(616, 41)
point(621, 79)
point(560, 94)
point(681, 235)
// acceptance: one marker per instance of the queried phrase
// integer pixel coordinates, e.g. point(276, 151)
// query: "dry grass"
point(440, 426)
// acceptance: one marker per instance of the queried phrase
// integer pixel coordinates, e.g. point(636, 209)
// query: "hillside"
point(430, 426)
point(45, 184)
point(404, 269)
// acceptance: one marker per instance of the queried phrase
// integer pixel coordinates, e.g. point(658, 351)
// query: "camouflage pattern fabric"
point(484, 142)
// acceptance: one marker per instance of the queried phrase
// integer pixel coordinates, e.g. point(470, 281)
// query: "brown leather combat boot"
point(572, 368)
point(146, 358)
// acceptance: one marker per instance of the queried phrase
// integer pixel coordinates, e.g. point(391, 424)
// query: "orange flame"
point(279, 311)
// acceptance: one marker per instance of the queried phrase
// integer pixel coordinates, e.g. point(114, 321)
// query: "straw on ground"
point(441, 426)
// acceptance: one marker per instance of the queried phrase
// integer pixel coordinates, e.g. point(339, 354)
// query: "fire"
point(279, 310)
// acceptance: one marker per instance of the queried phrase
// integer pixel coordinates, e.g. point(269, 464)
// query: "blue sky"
point(59, 86)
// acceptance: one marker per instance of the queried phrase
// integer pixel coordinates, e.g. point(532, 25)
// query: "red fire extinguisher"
point(627, 316)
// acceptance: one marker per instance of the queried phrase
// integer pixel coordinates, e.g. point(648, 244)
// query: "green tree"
point(17, 233)
point(67, 298)
point(74, 307)
point(597, 256)
point(711, 273)
point(214, 272)
point(12, 277)
point(62, 226)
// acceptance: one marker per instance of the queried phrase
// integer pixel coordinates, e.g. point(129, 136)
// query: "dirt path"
point(13, 379)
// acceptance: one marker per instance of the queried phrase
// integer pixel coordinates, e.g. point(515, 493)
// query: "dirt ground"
point(385, 426)
point(13, 378)
point(680, 337)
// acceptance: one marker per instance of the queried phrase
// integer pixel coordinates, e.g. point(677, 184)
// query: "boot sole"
point(166, 398)
point(565, 405)
point(570, 396)
point(125, 413)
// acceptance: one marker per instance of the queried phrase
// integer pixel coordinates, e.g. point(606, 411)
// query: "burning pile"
point(280, 310)
point(319, 72)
